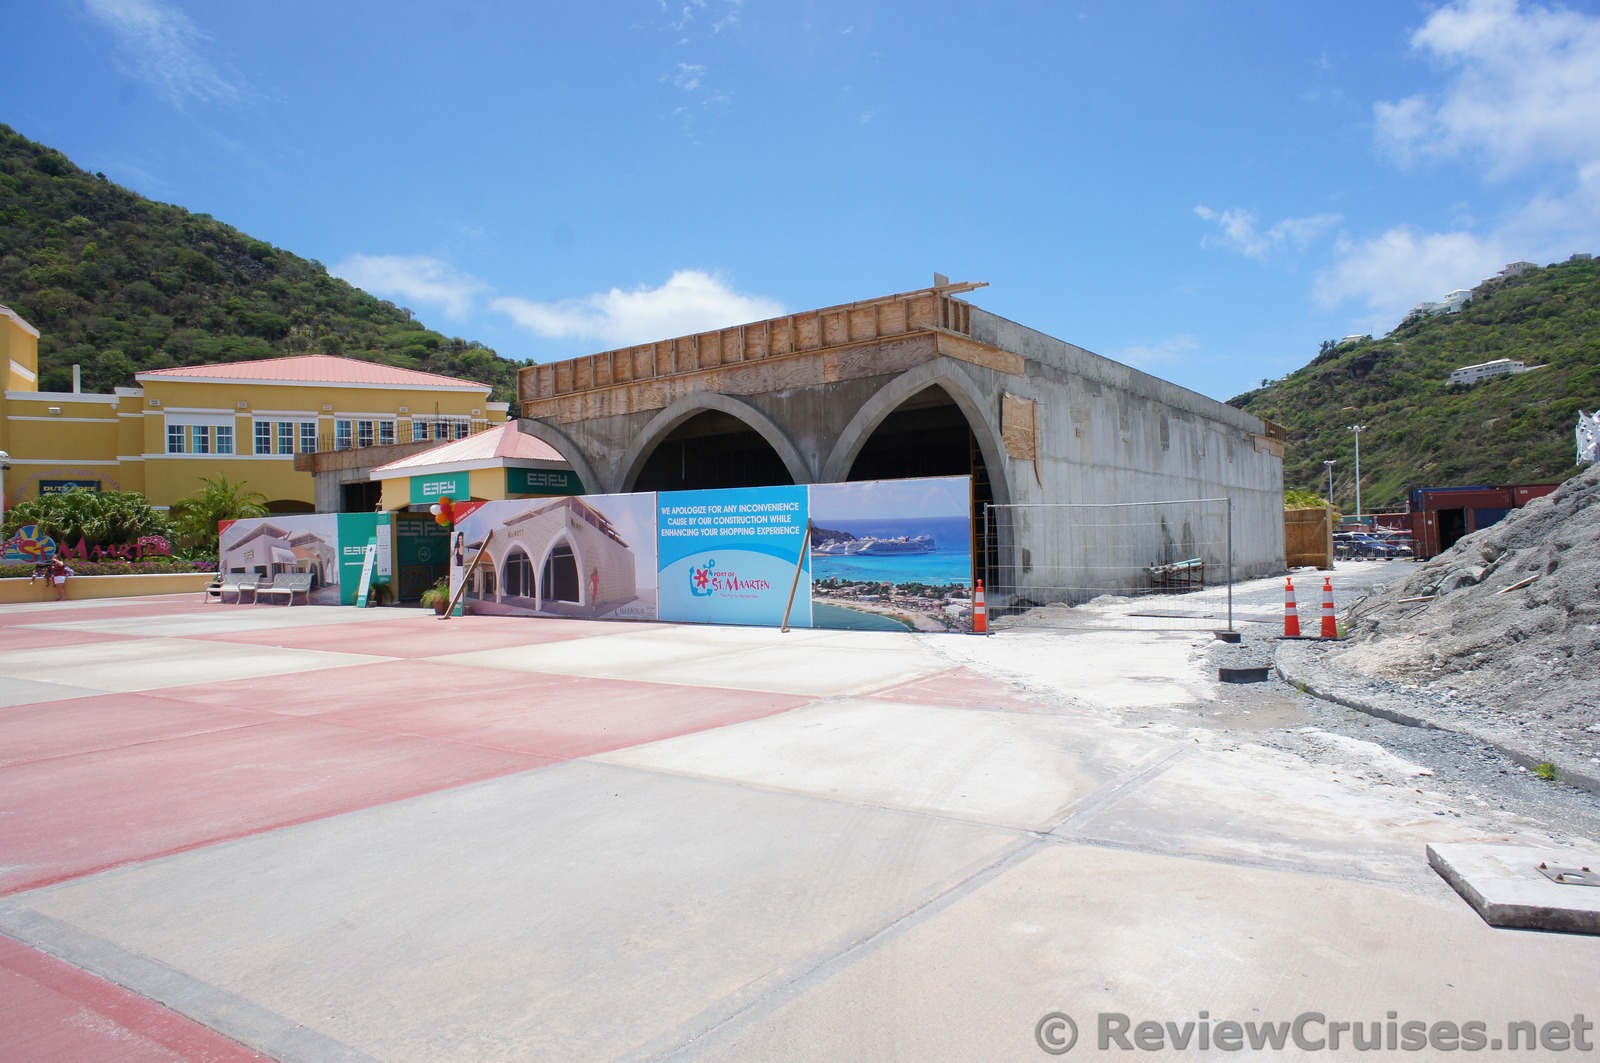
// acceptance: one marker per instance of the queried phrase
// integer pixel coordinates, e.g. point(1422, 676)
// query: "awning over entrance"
point(490, 466)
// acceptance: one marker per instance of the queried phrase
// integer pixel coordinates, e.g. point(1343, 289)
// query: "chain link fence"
point(1139, 564)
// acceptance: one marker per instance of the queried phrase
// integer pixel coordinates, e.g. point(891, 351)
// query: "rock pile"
point(1503, 628)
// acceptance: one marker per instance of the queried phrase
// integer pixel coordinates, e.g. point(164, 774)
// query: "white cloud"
point(1240, 230)
point(690, 301)
point(413, 279)
point(1522, 97)
point(1525, 89)
point(1171, 351)
point(162, 48)
point(689, 76)
point(1395, 271)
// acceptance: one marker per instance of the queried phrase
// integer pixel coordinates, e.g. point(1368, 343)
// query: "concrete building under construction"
point(921, 383)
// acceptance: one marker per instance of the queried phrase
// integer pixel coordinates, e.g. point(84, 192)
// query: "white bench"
point(285, 585)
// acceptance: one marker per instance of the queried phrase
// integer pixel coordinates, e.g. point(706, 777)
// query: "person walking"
point(58, 577)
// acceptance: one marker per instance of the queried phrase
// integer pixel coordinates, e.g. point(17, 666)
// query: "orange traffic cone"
point(1330, 626)
point(1291, 615)
point(980, 613)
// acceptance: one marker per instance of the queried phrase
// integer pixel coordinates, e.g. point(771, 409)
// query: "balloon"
point(434, 509)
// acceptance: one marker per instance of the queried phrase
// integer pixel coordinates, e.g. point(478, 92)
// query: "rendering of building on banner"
point(330, 547)
point(582, 557)
point(924, 384)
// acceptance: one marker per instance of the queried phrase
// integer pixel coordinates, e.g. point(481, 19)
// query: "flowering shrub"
point(151, 567)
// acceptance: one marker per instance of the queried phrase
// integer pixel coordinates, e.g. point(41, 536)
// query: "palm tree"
point(197, 516)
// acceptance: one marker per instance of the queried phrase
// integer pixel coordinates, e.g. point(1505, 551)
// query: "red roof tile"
point(504, 441)
point(313, 369)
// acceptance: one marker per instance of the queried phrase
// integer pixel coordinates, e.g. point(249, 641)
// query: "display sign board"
point(729, 557)
point(56, 487)
point(369, 561)
point(542, 482)
point(426, 490)
point(894, 555)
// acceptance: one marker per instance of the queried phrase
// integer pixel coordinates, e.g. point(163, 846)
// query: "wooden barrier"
point(1308, 537)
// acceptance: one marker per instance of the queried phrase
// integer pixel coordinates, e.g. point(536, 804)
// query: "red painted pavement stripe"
point(568, 716)
point(104, 721)
point(409, 638)
point(52, 1012)
point(76, 815)
point(960, 688)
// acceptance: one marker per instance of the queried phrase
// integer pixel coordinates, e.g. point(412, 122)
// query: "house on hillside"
point(1472, 374)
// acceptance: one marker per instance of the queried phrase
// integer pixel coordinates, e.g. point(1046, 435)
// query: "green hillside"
point(119, 284)
point(1423, 432)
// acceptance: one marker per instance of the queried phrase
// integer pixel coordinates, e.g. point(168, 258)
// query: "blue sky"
point(1204, 190)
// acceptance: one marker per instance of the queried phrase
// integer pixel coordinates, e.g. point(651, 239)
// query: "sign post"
point(368, 563)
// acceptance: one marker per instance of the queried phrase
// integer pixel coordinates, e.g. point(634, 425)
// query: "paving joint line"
point(228, 1014)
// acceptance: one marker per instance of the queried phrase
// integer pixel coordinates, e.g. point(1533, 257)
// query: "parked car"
point(1365, 546)
point(1398, 539)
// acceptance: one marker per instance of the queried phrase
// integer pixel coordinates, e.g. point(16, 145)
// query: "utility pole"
point(1358, 429)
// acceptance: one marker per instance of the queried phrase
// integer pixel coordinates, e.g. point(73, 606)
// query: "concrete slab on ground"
point(574, 913)
point(1503, 884)
point(1012, 769)
point(819, 845)
point(127, 666)
point(738, 658)
point(1087, 931)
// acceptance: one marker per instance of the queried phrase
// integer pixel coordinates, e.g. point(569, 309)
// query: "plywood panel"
point(1019, 427)
point(983, 354)
point(876, 359)
point(1308, 537)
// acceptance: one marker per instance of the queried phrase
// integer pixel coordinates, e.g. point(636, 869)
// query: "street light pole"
point(1330, 462)
point(1358, 429)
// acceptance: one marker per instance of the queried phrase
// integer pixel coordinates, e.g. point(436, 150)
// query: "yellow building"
point(242, 420)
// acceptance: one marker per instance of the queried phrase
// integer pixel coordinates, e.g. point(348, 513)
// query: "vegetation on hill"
point(119, 284)
point(1422, 431)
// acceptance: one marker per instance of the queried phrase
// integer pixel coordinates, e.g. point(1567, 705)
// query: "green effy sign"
point(542, 482)
point(426, 490)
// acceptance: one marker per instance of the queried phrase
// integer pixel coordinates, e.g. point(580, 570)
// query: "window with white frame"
point(351, 432)
point(279, 437)
point(200, 433)
point(440, 428)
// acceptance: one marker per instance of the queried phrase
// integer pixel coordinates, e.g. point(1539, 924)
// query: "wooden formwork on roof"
point(866, 338)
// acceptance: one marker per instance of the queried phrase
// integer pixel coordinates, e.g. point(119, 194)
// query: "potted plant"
point(437, 597)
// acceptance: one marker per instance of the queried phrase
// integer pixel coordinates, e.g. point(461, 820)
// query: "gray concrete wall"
point(1110, 434)
point(1107, 433)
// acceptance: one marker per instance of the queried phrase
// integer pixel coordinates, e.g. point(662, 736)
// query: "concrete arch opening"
point(712, 449)
point(929, 435)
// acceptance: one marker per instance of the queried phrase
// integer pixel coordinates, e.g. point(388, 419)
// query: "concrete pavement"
point(327, 834)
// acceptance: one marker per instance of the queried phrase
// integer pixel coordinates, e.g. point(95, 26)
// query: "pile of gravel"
point(1502, 629)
